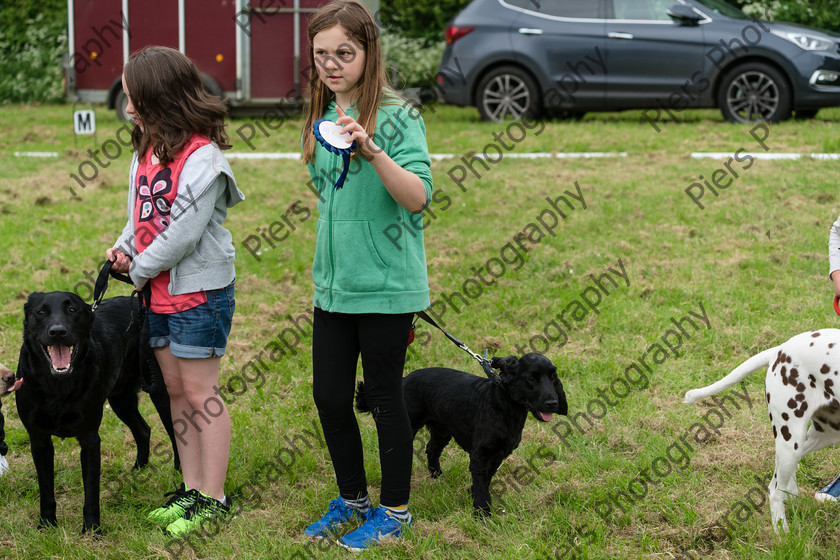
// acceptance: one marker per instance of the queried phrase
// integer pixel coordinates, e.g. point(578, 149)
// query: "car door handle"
point(530, 31)
point(617, 35)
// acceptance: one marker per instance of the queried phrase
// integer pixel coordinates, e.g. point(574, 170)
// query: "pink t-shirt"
point(157, 188)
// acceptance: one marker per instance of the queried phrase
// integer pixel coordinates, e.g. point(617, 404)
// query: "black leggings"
point(338, 339)
point(3, 448)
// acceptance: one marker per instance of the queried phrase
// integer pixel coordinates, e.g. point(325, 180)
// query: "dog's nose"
point(57, 330)
point(552, 403)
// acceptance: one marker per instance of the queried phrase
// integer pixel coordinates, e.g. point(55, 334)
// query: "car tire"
point(754, 92)
point(120, 103)
point(805, 114)
point(212, 86)
point(507, 92)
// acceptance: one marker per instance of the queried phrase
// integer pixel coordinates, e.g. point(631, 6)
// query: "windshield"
point(722, 8)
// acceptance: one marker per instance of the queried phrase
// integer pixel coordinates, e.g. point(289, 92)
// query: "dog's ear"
point(506, 363)
point(509, 366)
point(27, 307)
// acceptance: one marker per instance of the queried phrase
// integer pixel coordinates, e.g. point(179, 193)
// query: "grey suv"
point(511, 58)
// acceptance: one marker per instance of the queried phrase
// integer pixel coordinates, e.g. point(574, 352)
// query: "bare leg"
point(201, 420)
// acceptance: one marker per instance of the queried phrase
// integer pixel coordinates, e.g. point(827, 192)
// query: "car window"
point(559, 8)
point(642, 9)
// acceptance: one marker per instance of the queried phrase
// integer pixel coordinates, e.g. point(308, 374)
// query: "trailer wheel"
point(120, 103)
point(121, 100)
point(212, 86)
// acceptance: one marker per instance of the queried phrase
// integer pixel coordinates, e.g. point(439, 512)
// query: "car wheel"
point(120, 103)
point(507, 93)
point(805, 114)
point(754, 92)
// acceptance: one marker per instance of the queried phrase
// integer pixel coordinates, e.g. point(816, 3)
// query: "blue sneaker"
point(830, 493)
point(380, 526)
point(337, 515)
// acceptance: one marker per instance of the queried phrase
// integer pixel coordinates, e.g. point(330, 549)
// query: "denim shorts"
point(200, 332)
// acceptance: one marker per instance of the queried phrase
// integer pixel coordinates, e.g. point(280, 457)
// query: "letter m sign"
point(84, 122)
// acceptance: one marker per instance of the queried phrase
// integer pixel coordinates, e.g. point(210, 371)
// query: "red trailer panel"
point(210, 39)
point(253, 53)
point(96, 53)
point(272, 51)
point(153, 22)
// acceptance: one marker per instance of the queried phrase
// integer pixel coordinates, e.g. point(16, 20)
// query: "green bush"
point(421, 20)
point(815, 13)
point(410, 61)
point(33, 40)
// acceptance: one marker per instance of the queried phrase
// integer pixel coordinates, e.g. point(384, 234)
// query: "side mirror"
point(683, 14)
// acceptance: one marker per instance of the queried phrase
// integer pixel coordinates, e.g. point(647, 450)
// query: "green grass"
point(755, 258)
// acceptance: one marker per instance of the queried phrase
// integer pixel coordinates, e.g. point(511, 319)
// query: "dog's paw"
point(482, 513)
point(45, 524)
point(4, 465)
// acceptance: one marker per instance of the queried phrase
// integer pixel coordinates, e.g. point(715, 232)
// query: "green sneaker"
point(176, 507)
point(204, 510)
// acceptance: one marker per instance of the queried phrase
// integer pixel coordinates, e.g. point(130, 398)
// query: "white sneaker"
point(830, 493)
point(4, 465)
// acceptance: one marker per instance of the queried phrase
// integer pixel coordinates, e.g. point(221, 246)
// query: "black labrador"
point(485, 419)
point(72, 360)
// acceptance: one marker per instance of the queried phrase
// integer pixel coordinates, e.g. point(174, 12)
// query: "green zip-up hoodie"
point(369, 253)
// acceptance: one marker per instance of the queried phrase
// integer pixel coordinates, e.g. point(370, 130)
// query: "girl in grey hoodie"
point(180, 187)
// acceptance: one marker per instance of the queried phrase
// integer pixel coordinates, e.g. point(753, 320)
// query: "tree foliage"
point(33, 39)
point(815, 13)
point(423, 20)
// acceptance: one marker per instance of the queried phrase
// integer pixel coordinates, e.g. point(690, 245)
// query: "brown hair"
point(169, 96)
point(372, 89)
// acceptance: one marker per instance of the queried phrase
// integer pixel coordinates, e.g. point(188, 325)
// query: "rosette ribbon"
point(332, 138)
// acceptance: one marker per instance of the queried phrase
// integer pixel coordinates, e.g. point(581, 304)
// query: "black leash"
point(102, 282)
point(485, 363)
point(153, 377)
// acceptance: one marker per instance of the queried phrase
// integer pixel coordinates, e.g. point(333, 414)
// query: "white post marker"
point(84, 122)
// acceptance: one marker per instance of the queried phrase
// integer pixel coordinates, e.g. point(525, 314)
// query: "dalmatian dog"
point(802, 377)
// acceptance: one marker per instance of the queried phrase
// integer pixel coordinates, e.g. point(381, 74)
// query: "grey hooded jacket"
point(195, 248)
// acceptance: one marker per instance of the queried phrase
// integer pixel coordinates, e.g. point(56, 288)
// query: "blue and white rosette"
point(336, 140)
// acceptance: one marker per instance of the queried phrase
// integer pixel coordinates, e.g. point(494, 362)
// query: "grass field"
point(631, 473)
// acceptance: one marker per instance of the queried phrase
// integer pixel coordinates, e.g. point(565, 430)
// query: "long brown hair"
point(356, 20)
point(169, 96)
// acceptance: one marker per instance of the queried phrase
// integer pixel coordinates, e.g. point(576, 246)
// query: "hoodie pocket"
point(358, 264)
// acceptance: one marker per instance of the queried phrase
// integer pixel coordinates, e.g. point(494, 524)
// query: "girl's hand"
point(120, 260)
point(405, 187)
point(356, 131)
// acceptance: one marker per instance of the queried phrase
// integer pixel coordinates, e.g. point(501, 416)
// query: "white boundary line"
point(535, 155)
point(770, 155)
point(36, 154)
point(439, 157)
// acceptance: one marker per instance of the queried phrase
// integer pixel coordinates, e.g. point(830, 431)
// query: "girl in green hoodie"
point(368, 283)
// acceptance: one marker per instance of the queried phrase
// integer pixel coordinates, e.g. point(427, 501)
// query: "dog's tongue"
point(545, 416)
point(60, 356)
